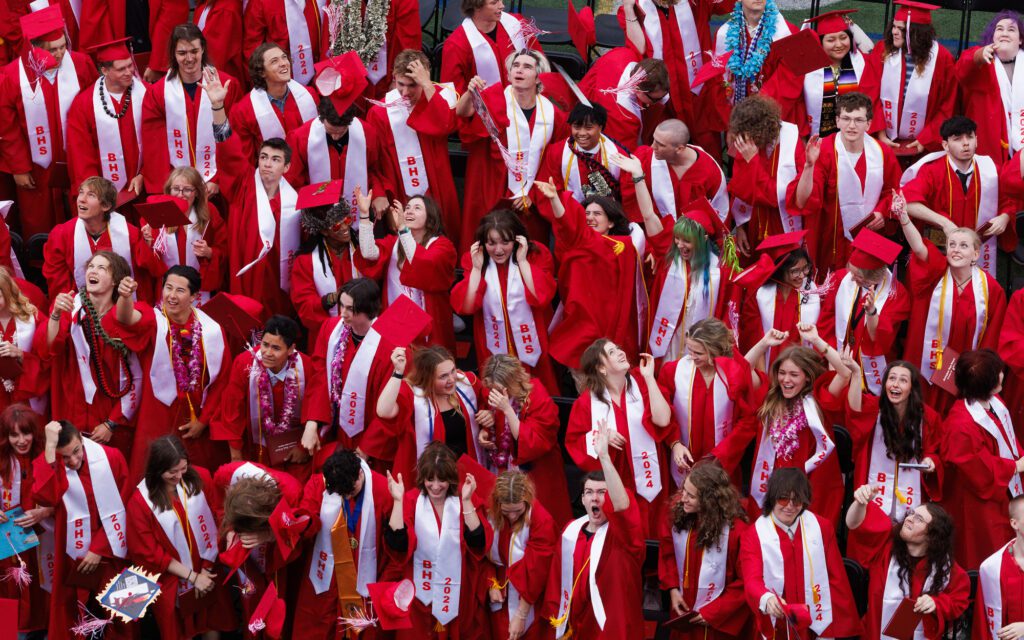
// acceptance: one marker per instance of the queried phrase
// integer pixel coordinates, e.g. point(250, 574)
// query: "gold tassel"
point(899, 496)
point(938, 360)
point(438, 627)
point(617, 246)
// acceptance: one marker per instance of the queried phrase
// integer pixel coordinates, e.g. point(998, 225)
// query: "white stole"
point(571, 166)
point(817, 590)
point(520, 323)
point(714, 560)
point(267, 116)
point(784, 175)
point(321, 568)
point(908, 123)
point(846, 304)
point(130, 401)
point(425, 414)
point(686, 375)
point(814, 89)
point(200, 520)
point(352, 412)
point(170, 254)
point(856, 203)
point(109, 506)
point(319, 164)
point(568, 548)
point(437, 559)
point(300, 44)
point(530, 150)
point(117, 229)
point(764, 464)
point(161, 371)
point(10, 496)
point(108, 134)
point(942, 299)
point(516, 552)
point(692, 53)
point(395, 287)
point(893, 594)
point(37, 119)
point(290, 229)
point(1008, 449)
point(256, 428)
point(179, 143)
point(642, 446)
point(989, 577)
point(488, 66)
point(766, 297)
point(1012, 95)
point(323, 275)
point(682, 303)
point(883, 470)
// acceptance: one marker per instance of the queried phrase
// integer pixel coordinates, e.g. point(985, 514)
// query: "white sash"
point(766, 296)
point(37, 119)
point(179, 143)
point(1007, 449)
point(109, 506)
point(532, 149)
point(571, 166)
point(108, 133)
point(1012, 95)
point(200, 521)
point(686, 376)
point(203, 15)
point(516, 551)
point(883, 470)
point(130, 401)
point(817, 594)
point(942, 296)
point(488, 66)
point(394, 278)
point(424, 416)
point(911, 118)
point(319, 165)
point(117, 229)
point(661, 189)
point(988, 208)
point(290, 228)
point(638, 238)
point(894, 594)
point(520, 316)
point(437, 559)
point(846, 304)
point(692, 52)
point(323, 276)
point(411, 162)
point(299, 43)
point(856, 204)
point(569, 537)
point(256, 429)
point(46, 554)
point(170, 254)
point(321, 569)
point(643, 448)
point(352, 412)
point(784, 175)
point(764, 464)
point(989, 575)
point(713, 563)
point(10, 497)
point(683, 303)
point(267, 116)
point(814, 90)
point(161, 371)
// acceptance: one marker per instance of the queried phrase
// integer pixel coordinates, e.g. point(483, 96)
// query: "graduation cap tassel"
point(19, 574)
point(629, 85)
point(729, 256)
point(89, 626)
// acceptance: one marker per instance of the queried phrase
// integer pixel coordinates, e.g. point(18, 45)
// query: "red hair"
point(21, 418)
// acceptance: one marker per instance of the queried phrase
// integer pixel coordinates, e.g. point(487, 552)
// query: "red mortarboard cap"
point(801, 52)
point(798, 615)
point(320, 194)
point(269, 613)
point(238, 315)
point(831, 21)
point(233, 557)
point(391, 602)
point(756, 274)
point(46, 24)
point(9, 611)
point(287, 526)
point(712, 68)
point(581, 29)
point(914, 12)
point(111, 51)
point(164, 211)
point(701, 212)
point(873, 251)
point(402, 322)
point(342, 79)
point(780, 244)
point(125, 198)
point(484, 479)
point(41, 58)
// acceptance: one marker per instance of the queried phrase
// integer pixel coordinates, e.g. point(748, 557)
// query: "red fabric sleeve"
point(15, 156)
point(434, 117)
point(983, 472)
point(432, 268)
point(164, 15)
point(234, 408)
point(538, 426)
point(144, 534)
point(950, 603)
point(576, 434)
point(530, 574)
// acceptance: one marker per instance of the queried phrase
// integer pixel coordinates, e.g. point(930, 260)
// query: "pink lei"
point(785, 431)
point(188, 376)
point(337, 361)
point(289, 410)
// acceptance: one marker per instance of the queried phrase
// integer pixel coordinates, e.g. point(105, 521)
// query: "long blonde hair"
point(201, 205)
point(775, 404)
point(512, 486)
point(19, 305)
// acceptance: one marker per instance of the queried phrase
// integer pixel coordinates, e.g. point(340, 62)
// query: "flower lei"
point(289, 409)
point(352, 29)
point(337, 360)
point(785, 431)
point(501, 455)
point(748, 57)
point(187, 377)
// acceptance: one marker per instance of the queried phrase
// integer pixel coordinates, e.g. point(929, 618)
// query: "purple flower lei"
point(785, 431)
point(187, 377)
point(266, 399)
point(337, 360)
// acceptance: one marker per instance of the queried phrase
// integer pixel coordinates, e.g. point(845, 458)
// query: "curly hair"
point(757, 117)
point(719, 504)
point(249, 503)
point(938, 550)
point(919, 38)
point(16, 301)
point(988, 35)
point(511, 487)
point(437, 462)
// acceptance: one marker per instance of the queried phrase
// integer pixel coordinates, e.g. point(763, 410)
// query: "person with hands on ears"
point(911, 559)
point(998, 611)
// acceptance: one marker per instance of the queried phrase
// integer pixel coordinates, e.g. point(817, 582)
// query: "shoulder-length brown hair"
point(437, 462)
point(590, 377)
point(719, 504)
point(164, 454)
point(775, 404)
point(18, 304)
point(424, 364)
point(201, 204)
point(511, 487)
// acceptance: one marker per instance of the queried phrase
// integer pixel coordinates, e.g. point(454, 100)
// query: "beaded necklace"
point(92, 327)
point(124, 105)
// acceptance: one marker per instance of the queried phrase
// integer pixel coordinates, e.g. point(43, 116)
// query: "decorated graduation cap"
point(391, 602)
point(581, 29)
point(269, 614)
point(701, 212)
point(40, 60)
point(342, 79)
point(778, 245)
point(322, 206)
point(111, 51)
point(872, 251)
point(713, 69)
point(756, 274)
point(287, 526)
point(917, 12)
point(831, 21)
point(46, 24)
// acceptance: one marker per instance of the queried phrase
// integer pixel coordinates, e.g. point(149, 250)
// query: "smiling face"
point(915, 526)
point(415, 214)
point(795, 275)
point(597, 219)
point(172, 477)
point(276, 65)
point(177, 298)
point(685, 247)
point(689, 496)
point(594, 495)
point(72, 454)
point(524, 73)
point(119, 75)
point(791, 379)
point(836, 45)
point(499, 249)
point(787, 510)
point(444, 379)
point(586, 135)
point(275, 352)
point(490, 11)
point(20, 441)
point(189, 56)
point(1007, 38)
point(699, 353)
point(898, 385)
point(436, 489)
point(99, 276)
point(961, 250)
point(614, 360)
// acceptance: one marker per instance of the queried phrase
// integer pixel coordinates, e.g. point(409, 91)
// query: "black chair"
point(451, 18)
point(33, 263)
point(554, 20)
point(571, 61)
point(655, 600)
point(960, 629)
point(608, 32)
point(844, 453)
point(430, 18)
point(858, 578)
point(1018, 253)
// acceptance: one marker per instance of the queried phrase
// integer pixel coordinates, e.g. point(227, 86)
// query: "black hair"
point(341, 472)
point(282, 327)
point(326, 111)
point(957, 126)
point(583, 115)
point(195, 281)
point(68, 432)
point(365, 294)
point(977, 374)
point(616, 215)
point(278, 144)
point(788, 482)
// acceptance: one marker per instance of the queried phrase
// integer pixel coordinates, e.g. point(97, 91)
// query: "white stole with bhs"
point(437, 559)
point(817, 590)
point(108, 132)
point(642, 446)
point(179, 142)
point(321, 568)
point(109, 506)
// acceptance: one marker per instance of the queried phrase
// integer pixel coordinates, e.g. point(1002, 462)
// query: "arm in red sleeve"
point(137, 337)
point(668, 571)
point(730, 450)
point(406, 24)
point(941, 100)
point(537, 559)
point(255, 28)
point(983, 473)
point(164, 15)
point(143, 547)
point(14, 153)
point(728, 612)
point(460, 291)
point(543, 267)
point(234, 412)
point(312, 497)
point(318, 404)
point(378, 268)
point(752, 183)
point(950, 603)
point(457, 64)
point(576, 434)
point(432, 268)
point(81, 137)
point(48, 482)
point(538, 426)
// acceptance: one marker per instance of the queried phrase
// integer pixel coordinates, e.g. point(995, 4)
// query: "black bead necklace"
point(124, 105)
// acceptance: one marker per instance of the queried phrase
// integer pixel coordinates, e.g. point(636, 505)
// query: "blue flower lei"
point(746, 64)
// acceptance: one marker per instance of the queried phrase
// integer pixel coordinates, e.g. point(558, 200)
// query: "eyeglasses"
point(797, 272)
point(182, 191)
point(857, 121)
point(786, 502)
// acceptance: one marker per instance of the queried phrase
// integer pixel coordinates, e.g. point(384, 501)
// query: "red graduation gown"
point(542, 266)
point(34, 379)
point(458, 65)
point(580, 425)
point(941, 95)
point(894, 312)
point(298, 173)
point(164, 15)
point(223, 31)
point(826, 242)
point(33, 601)
point(982, 102)
point(618, 578)
point(755, 183)
point(304, 295)
point(1011, 350)
point(975, 492)
point(787, 316)
point(703, 179)
point(432, 271)
point(265, 21)
point(1011, 586)
point(212, 270)
point(552, 169)
point(247, 129)
point(845, 622)
point(83, 138)
point(316, 615)
point(727, 614)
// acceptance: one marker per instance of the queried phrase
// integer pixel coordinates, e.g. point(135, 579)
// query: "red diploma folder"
point(683, 623)
point(945, 378)
point(903, 622)
point(281, 444)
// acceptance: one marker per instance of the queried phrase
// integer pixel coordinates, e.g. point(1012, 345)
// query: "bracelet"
point(673, 445)
point(872, 313)
point(397, 375)
point(639, 179)
point(110, 424)
point(825, 350)
point(633, 20)
point(190, 579)
point(220, 108)
point(55, 316)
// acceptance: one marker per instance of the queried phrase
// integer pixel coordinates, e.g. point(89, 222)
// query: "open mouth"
point(92, 280)
point(595, 510)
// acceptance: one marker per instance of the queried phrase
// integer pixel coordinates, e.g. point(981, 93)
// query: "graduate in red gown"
point(833, 203)
point(98, 378)
point(276, 105)
point(1011, 350)
point(227, 475)
point(172, 531)
point(955, 305)
point(104, 126)
point(897, 440)
point(519, 429)
point(525, 537)
point(352, 364)
point(768, 153)
point(959, 188)
point(21, 440)
point(984, 461)
point(790, 561)
point(436, 402)
point(412, 128)
point(164, 16)
point(635, 103)
point(867, 307)
point(918, 86)
point(185, 363)
point(508, 289)
point(595, 585)
point(998, 607)
point(699, 552)
point(86, 484)
point(530, 122)
point(179, 112)
point(989, 95)
point(263, 402)
point(418, 262)
point(911, 559)
point(632, 405)
point(349, 505)
point(22, 338)
point(38, 105)
point(221, 23)
point(438, 536)
point(481, 44)
point(295, 26)
point(709, 389)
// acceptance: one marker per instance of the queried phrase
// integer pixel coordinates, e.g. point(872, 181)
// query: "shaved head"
point(675, 131)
